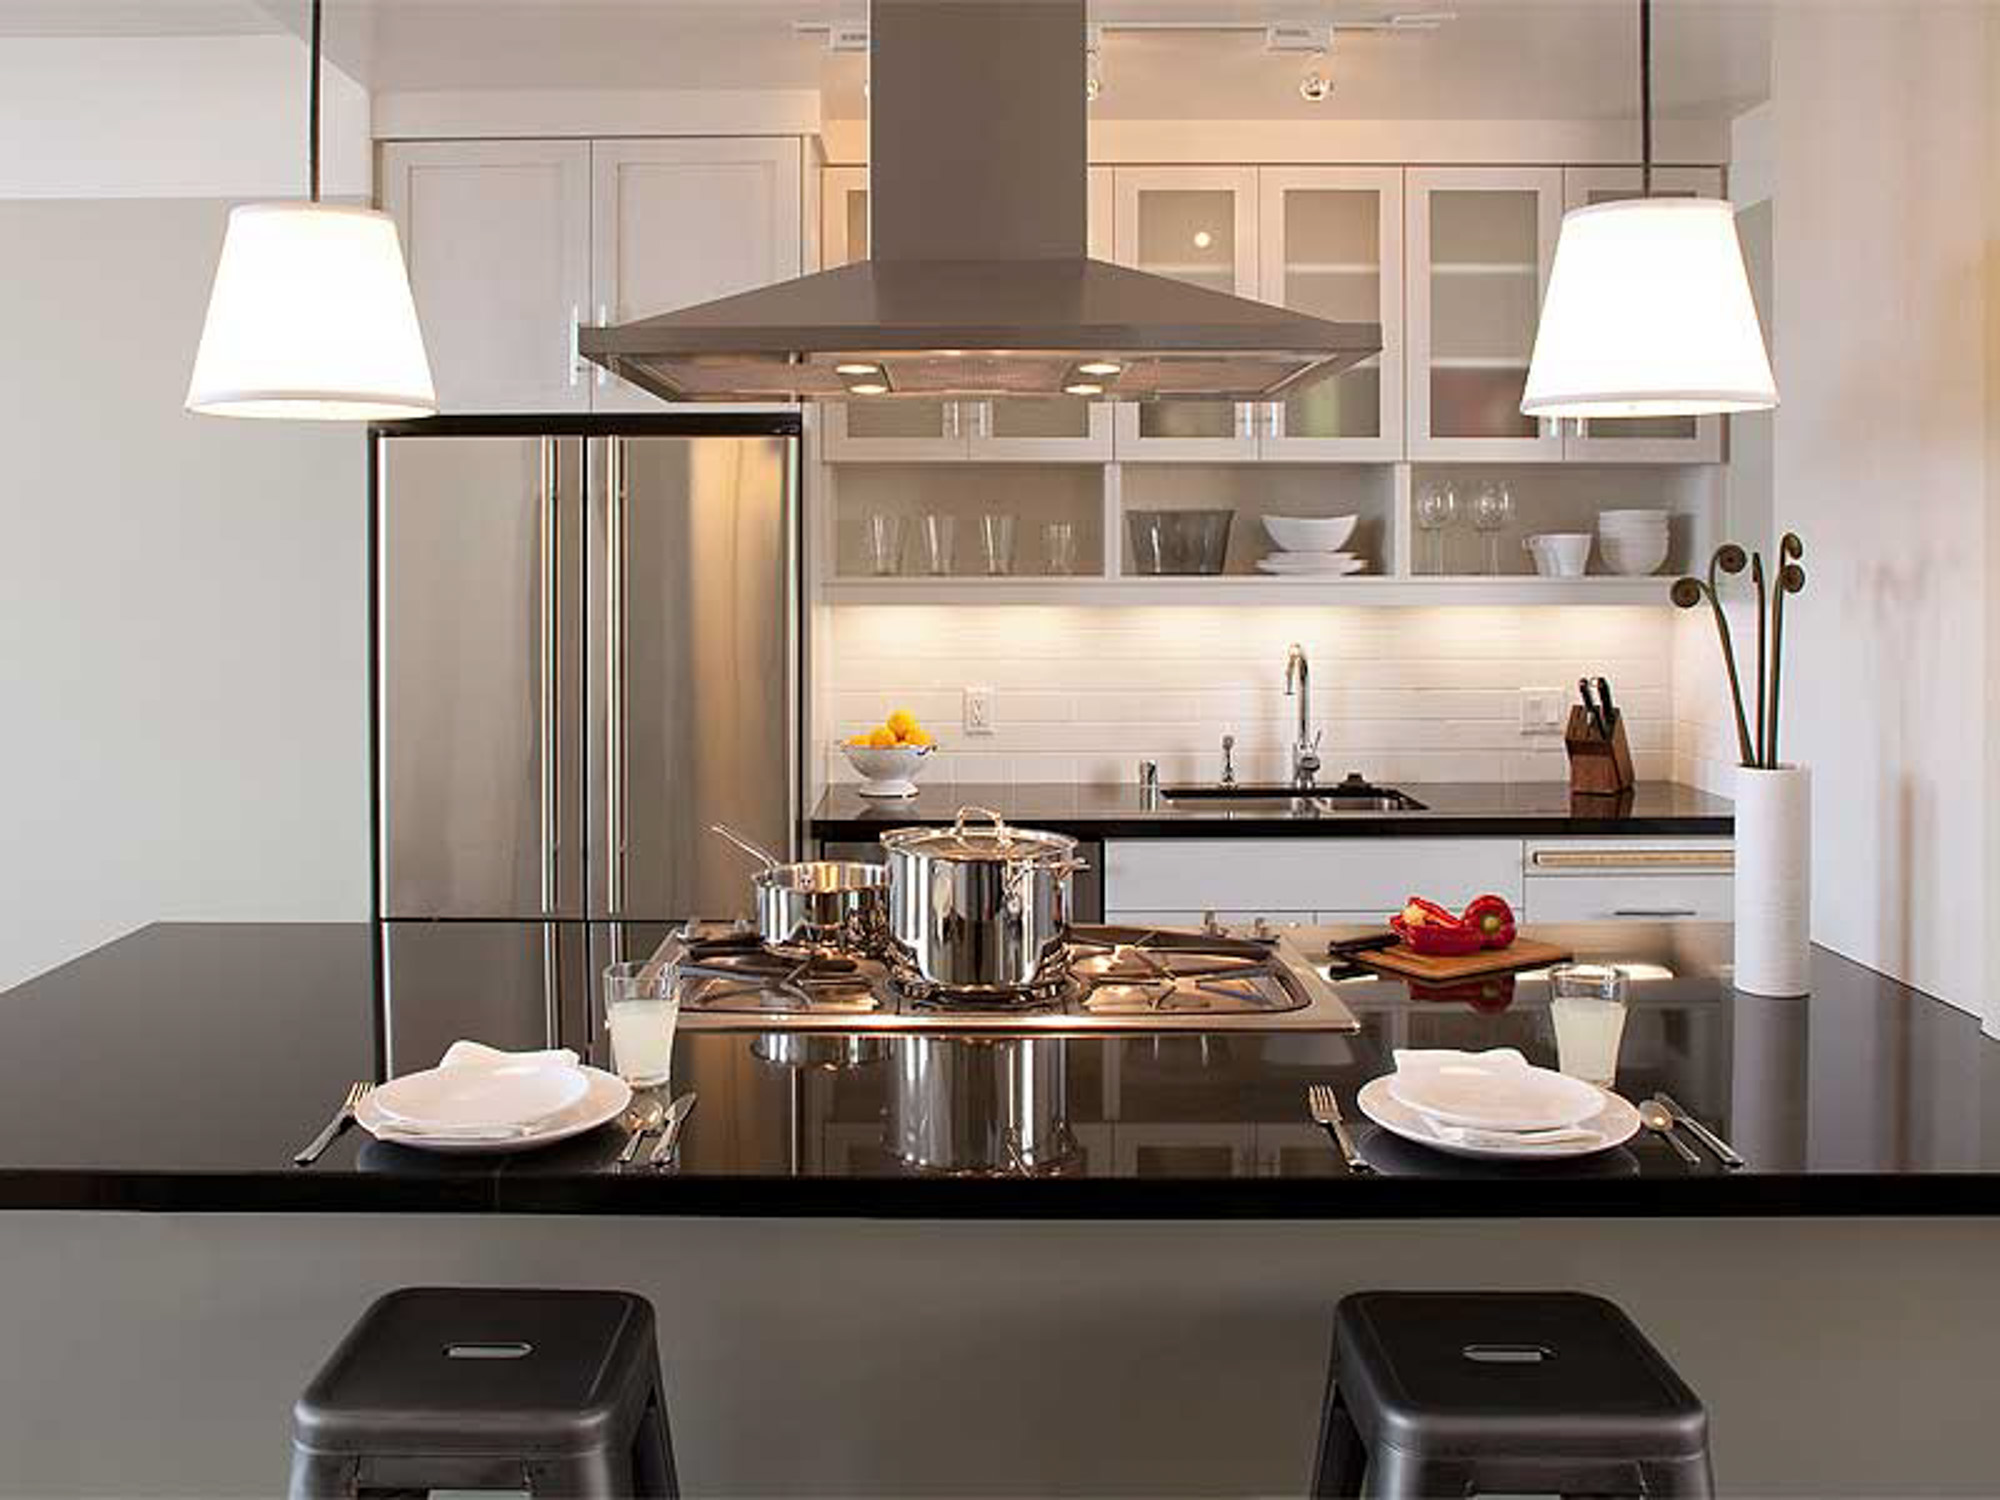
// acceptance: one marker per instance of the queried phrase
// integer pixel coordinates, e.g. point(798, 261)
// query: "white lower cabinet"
point(1628, 880)
point(1299, 879)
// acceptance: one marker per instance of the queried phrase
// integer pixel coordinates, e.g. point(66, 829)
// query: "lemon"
point(883, 738)
point(902, 723)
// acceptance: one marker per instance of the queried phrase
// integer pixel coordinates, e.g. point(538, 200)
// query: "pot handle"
point(771, 861)
point(1000, 829)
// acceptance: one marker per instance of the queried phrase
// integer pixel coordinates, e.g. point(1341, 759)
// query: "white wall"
point(1881, 115)
point(1084, 693)
point(182, 599)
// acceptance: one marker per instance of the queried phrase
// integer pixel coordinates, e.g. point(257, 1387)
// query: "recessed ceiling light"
point(868, 388)
point(857, 369)
point(1100, 367)
point(1203, 239)
point(1084, 388)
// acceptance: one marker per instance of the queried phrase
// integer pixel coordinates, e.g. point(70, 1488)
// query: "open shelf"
point(1365, 590)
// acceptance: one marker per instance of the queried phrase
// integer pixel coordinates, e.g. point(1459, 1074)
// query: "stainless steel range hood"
point(979, 285)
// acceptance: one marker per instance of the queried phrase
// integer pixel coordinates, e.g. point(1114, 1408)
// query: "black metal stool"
point(1461, 1393)
point(557, 1393)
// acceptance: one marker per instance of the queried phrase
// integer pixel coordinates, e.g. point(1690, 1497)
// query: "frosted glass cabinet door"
point(1332, 245)
point(678, 222)
point(1197, 224)
point(497, 235)
point(1667, 440)
point(1481, 241)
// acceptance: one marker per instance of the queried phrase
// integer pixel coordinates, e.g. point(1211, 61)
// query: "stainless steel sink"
point(1352, 796)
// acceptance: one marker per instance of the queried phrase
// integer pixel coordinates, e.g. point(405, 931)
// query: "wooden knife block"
point(1599, 765)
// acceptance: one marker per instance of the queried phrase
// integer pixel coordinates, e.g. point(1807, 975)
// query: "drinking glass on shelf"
point(1436, 509)
point(1587, 1005)
point(642, 1007)
point(1492, 511)
point(1059, 547)
point(996, 542)
point(882, 539)
point(934, 542)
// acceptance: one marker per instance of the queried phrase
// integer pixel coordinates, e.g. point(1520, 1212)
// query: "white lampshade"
point(311, 318)
point(1649, 314)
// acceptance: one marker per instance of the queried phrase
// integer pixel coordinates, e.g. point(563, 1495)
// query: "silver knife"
point(1724, 1152)
point(670, 1129)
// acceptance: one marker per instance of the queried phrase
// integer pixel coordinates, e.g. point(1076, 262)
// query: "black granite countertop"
point(1451, 809)
point(179, 1068)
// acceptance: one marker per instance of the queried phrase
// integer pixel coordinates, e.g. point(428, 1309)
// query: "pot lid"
point(995, 841)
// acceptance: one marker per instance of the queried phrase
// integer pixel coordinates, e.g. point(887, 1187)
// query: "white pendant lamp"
point(311, 317)
point(1649, 312)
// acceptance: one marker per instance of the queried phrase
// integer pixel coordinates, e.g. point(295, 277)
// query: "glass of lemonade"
point(1587, 1005)
point(641, 1008)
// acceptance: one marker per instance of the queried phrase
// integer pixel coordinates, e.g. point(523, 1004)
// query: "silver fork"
point(1324, 1106)
point(342, 1118)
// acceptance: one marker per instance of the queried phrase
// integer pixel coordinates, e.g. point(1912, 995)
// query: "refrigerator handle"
point(547, 668)
point(616, 526)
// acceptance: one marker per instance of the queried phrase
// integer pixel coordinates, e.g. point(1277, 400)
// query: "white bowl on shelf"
point(1311, 533)
point(1560, 554)
point(888, 770)
point(1633, 558)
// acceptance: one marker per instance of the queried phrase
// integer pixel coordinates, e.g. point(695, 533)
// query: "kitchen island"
point(233, 1043)
point(1155, 1324)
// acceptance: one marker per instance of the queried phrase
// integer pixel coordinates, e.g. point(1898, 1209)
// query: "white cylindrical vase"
point(1774, 880)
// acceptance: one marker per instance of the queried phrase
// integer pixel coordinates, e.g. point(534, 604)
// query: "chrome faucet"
point(1305, 749)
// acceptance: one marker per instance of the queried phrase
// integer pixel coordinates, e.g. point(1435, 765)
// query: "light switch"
point(1543, 710)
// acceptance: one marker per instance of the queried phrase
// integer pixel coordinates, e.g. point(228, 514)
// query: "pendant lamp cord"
point(312, 106)
point(1645, 97)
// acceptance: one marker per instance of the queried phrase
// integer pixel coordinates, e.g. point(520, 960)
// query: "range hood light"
point(311, 316)
point(869, 388)
point(1083, 388)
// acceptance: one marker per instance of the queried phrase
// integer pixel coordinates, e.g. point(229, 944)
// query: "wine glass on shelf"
point(1436, 509)
point(1492, 512)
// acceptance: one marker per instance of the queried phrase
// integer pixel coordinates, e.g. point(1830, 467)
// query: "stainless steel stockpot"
point(964, 1106)
point(981, 908)
point(821, 904)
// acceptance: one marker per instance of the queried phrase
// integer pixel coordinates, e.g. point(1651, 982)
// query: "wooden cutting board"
point(1522, 953)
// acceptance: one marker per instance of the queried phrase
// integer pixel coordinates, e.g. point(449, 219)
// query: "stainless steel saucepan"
point(981, 908)
point(821, 904)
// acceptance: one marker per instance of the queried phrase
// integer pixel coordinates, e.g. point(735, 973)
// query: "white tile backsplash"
point(1083, 694)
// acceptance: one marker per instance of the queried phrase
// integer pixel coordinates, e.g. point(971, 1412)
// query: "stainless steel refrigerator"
point(586, 639)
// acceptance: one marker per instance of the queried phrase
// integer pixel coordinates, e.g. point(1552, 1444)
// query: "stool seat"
point(1462, 1392)
point(558, 1391)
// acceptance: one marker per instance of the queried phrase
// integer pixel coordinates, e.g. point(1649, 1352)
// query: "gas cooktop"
point(1115, 979)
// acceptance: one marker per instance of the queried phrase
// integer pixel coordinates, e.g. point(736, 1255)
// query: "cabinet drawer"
point(1304, 874)
point(1631, 898)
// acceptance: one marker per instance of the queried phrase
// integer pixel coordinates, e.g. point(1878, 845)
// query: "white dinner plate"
point(1614, 1123)
point(603, 1100)
point(1492, 1091)
point(473, 1096)
point(1331, 563)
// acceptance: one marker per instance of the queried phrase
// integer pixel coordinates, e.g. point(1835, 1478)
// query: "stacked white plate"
point(478, 1100)
point(1311, 545)
point(1633, 542)
point(1495, 1104)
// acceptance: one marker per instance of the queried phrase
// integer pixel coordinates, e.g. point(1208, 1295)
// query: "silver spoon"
point(641, 1118)
point(1654, 1116)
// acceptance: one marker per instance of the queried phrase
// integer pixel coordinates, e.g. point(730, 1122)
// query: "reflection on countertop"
point(1450, 809)
point(212, 1051)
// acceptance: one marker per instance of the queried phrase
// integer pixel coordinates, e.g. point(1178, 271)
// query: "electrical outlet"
point(1542, 710)
point(979, 710)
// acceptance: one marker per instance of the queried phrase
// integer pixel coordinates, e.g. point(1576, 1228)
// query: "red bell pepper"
point(1493, 919)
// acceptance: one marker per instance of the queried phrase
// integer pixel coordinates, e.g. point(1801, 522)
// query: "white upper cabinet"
point(1683, 440)
point(1056, 429)
point(1197, 224)
point(1331, 241)
point(498, 239)
point(678, 222)
point(1481, 241)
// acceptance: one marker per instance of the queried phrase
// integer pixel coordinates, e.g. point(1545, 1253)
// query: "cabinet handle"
point(575, 346)
point(616, 759)
point(547, 740)
point(1246, 420)
point(603, 321)
point(1274, 419)
point(1634, 859)
point(1662, 911)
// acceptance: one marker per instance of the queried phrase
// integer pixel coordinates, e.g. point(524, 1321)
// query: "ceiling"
point(1499, 59)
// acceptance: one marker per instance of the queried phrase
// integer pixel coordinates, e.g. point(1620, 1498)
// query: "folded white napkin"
point(1409, 1059)
point(463, 1054)
point(1499, 1063)
point(1511, 1140)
